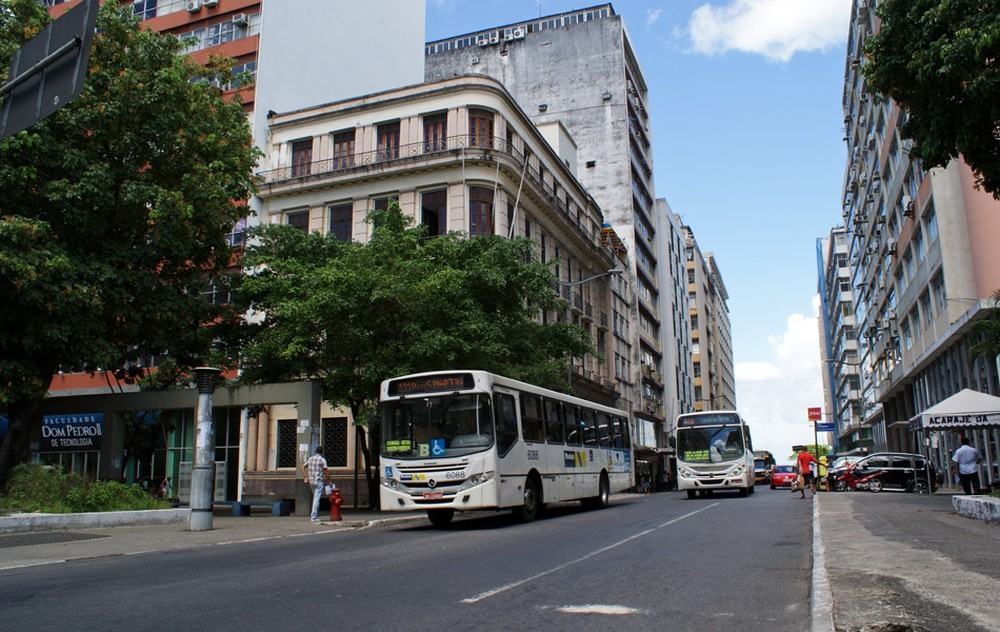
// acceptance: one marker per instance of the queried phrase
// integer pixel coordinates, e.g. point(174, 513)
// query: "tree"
point(351, 315)
point(984, 338)
point(114, 215)
point(937, 59)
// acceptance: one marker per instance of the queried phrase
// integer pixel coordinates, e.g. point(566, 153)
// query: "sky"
point(747, 130)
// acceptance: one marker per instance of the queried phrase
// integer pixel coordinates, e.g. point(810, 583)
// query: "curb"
point(20, 523)
point(985, 508)
point(821, 597)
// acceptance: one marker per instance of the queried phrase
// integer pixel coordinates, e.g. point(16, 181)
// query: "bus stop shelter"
point(970, 413)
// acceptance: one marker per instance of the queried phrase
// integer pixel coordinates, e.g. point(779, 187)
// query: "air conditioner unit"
point(209, 3)
point(518, 33)
point(192, 6)
point(483, 40)
point(494, 38)
point(910, 209)
point(890, 247)
point(239, 19)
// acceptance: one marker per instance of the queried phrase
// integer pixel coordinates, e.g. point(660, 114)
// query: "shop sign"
point(72, 433)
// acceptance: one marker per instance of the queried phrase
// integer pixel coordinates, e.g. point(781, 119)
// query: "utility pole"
point(202, 478)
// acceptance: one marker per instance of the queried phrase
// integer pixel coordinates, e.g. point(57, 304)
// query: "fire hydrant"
point(335, 502)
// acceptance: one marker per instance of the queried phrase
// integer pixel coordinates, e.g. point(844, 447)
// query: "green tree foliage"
point(351, 315)
point(984, 338)
point(114, 214)
point(937, 58)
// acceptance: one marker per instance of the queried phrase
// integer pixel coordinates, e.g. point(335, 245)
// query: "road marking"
point(521, 582)
point(596, 608)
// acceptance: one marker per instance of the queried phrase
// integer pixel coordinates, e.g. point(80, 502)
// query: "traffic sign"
point(827, 427)
point(815, 413)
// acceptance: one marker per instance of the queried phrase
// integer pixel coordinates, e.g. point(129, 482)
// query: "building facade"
point(711, 331)
point(923, 263)
point(579, 69)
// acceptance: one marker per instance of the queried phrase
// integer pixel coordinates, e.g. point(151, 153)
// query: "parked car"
point(900, 471)
point(783, 475)
point(837, 467)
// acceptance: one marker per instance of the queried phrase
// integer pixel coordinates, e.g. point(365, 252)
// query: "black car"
point(901, 471)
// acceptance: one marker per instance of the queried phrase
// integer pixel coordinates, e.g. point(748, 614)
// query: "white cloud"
point(652, 16)
point(776, 29)
point(774, 395)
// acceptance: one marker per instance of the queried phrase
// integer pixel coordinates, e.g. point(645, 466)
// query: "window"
point(436, 132)
point(506, 420)
point(301, 157)
point(480, 128)
point(286, 443)
point(930, 223)
point(144, 9)
point(343, 149)
point(341, 219)
point(433, 209)
point(382, 203)
point(480, 211)
point(571, 423)
point(589, 423)
point(388, 141)
point(532, 422)
point(918, 246)
point(334, 441)
point(298, 219)
point(554, 429)
point(925, 309)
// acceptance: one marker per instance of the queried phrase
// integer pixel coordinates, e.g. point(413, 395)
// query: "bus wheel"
point(692, 493)
point(440, 517)
point(603, 497)
point(529, 510)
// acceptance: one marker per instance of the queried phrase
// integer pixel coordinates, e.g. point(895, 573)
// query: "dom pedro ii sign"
point(77, 433)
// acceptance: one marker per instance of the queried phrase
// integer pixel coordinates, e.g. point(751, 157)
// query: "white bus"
point(466, 440)
point(714, 452)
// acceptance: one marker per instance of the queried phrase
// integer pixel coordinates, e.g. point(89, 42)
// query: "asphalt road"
point(655, 562)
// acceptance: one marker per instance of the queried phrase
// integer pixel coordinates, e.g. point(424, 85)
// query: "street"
point(650, 562)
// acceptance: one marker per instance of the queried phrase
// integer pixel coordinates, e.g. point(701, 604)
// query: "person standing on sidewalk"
point(316, 475)
point(966, 461)
point(805, 460)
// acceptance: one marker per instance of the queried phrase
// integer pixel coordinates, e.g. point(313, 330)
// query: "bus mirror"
point(672, 440)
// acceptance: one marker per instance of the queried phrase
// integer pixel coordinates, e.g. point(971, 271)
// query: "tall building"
point(839, 351)
point(711, 332)
point(923, 261)
point(579, 69)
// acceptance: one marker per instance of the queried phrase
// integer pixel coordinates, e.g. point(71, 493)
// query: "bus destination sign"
point(431, 384)
point(716, 419)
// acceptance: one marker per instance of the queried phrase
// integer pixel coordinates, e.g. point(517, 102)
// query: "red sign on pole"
point(815, 413)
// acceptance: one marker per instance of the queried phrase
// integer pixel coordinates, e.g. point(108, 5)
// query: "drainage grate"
point(44, 537)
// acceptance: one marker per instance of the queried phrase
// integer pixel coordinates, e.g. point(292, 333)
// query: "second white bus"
point(714, 453)
point(469, 440)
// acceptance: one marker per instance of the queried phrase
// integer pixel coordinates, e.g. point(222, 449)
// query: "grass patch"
point(45, 489)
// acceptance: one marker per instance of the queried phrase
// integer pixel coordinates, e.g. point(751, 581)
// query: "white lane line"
point(500, 589)
point(599, 609)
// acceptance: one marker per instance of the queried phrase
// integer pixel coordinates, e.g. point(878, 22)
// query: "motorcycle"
point(851, 479)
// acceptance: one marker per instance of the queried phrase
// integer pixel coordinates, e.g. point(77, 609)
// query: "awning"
point(965, 409)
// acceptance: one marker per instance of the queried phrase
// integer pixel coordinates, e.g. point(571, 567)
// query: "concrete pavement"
point(882, 562)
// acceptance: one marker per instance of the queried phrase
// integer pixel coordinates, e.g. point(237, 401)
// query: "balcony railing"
point(491, 148)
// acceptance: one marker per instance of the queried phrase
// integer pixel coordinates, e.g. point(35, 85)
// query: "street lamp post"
point(611, 272)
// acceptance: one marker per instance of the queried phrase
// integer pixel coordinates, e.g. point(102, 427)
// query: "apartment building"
point(579, 69)
point(923, 262)
point(711, 331)
point(839, 348)
point(458, 155)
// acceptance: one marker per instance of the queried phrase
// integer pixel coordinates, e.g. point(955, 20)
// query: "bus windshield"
point(710, 444)
point(440, 426)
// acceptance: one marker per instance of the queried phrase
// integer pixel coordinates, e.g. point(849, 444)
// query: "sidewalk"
point(906, 560)
point(31, 548)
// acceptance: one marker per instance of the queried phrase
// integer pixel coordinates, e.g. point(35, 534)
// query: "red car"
point(783, 476)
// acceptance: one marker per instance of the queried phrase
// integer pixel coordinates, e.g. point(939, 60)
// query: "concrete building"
point(923, 259)
point(711, 331)
point(839, 351)
point(579, 69)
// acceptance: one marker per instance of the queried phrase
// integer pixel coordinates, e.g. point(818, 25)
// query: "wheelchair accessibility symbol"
point(437, 447)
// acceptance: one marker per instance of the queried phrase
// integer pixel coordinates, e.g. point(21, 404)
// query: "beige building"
point(458, 155)
point(711, 333)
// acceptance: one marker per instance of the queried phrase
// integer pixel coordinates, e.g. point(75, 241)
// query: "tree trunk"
point(21, 416)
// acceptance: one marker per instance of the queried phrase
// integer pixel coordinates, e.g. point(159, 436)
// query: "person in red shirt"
point(805, 460)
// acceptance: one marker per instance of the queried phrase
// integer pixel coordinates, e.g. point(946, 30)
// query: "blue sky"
point(747, 127)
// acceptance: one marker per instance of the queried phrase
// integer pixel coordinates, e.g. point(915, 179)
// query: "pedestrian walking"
point(166, 492)
point(316, 476)
point(966, 460)
point(805, 460)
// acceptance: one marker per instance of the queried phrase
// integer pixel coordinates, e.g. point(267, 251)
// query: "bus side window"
point(604, 430)
point(574, 431)
point(532, 423)
point(506, 420)
point(589, 424)
point(553, 421)
point(618, 433)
